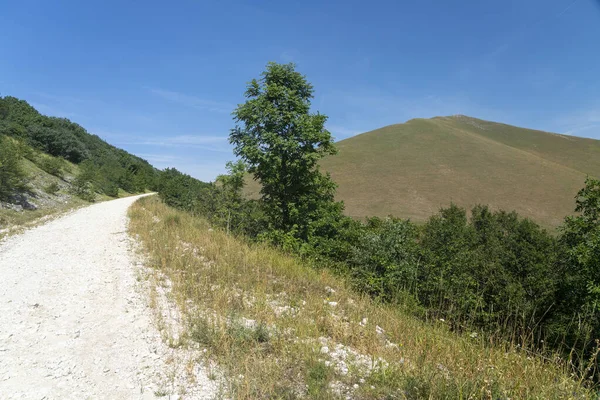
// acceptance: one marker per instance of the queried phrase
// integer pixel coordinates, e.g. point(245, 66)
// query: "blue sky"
point(160, 79)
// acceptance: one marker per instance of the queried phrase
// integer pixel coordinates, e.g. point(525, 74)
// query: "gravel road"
point(74, 323)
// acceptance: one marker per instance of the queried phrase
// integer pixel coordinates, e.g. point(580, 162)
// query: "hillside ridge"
point(412, 169)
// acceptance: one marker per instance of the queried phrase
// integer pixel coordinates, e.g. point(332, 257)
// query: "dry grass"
point(410, 170)
point(280, 329)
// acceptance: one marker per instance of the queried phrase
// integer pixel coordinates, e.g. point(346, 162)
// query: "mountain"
point(412, 169)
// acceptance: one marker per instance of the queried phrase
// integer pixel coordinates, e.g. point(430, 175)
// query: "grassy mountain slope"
point(412, 169)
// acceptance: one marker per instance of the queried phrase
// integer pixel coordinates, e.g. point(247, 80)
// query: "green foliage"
point(221, 202)
point(62, 138)
point(495, 270)
point(12, 176)
point(52, 188)
point(82, 185)
point(317, 379)
point(580, 267)
point(180, 190)
point(3, 109)
point(57, 142)
point(385, 258)
point(281, 141)
point(52, 165)
point(229, 208)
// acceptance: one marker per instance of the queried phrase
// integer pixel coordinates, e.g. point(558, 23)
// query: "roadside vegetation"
point(486, 274)
point(279, 328)
point(49, 165)
point(55, 145)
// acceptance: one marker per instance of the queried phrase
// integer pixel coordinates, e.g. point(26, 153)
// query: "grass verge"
point(280, 329)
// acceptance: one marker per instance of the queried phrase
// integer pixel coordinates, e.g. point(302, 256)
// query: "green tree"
point(3, 109)
point(82, 185)
point(581, 262)
point(282, 141)
point(230, 191)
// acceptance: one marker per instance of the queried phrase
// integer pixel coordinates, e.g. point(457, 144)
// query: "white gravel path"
point(74, 322)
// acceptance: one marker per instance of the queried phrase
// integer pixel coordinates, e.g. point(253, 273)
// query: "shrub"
point(52, 165)
point(12, 176)
point(52, 188)
point(58, 142)
point(578, 321)
point(385, 259)
point(82, 186)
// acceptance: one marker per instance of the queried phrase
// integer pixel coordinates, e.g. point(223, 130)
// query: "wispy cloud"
point(580, 123)
point(52, 111)
point(289, 56)
point(212, 143)
point(517, 35)
point(205, 171)
point(156, 159)
point(371, 108)
point(192, 101)
point(340, 132)
point(60, 99)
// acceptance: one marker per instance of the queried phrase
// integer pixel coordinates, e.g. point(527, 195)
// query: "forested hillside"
point(55, 145)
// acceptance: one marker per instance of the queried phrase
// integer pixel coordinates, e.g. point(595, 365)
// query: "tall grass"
point(281, 329)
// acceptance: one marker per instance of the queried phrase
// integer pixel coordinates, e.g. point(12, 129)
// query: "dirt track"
point(74, 323)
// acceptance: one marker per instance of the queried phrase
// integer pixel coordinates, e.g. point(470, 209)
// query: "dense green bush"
point(494, 271)
point(577, 322)
point(83, 189)
point(59, 143)
point(52, 188)
point(180, 190)
point(385, 257)
point(12, 176)
point(52, 165)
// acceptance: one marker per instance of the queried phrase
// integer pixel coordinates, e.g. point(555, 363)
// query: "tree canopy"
point(282, 141)
point(113, 168)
